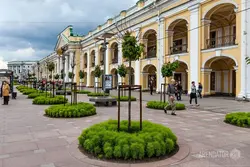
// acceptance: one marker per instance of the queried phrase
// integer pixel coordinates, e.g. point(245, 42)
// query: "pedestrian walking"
point(193, 94)
point(6, 93)
point(151, 85)
point(179, 89)
point(200, 87)
point(171, 99)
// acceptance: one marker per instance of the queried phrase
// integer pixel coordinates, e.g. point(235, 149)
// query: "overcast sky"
point(29, 28)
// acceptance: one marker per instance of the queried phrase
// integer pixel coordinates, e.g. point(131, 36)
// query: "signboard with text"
point(108, 82)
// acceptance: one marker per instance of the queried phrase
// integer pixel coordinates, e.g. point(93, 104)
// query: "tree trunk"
point(129, 97)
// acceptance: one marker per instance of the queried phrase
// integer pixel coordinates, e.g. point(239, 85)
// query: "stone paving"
point(28, 139)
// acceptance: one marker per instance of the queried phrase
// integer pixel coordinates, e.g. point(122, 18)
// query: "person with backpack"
point(193, 94)
point(171, 100)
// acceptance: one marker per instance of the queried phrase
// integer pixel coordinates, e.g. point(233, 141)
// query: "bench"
point(104, 100)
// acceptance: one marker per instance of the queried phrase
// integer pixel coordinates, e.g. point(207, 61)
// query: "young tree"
point(248, 60)
point(62, 75)
point(51, 68)
point(57, 77)
point(81, 74)
point(131, 51)
point(97, 71)
point(122, 71)
point(167, 71)
point(71, 75)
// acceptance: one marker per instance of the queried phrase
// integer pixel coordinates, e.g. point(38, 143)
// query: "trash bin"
point(14, 95)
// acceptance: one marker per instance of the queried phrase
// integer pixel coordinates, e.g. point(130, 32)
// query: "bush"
point(92, 94)
point(83, 92)
point(42, 100)
point(160, 105)
point(37, 94)
point(71, 111)
point(241, 119)
point(103, 140)
point(125, 98)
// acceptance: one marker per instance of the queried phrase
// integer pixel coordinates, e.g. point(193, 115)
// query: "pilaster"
point(160, 51)
point(138, 62)
point(194, 44)
point(88, 68)
point(119, 59)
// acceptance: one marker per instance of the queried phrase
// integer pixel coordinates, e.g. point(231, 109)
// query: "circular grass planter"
point(71, 111)
point(105, 142)
point(92, 94)
point(83, 92)
point(43, 100)
point(241, 119)
point(160, 105)
point(125, 98)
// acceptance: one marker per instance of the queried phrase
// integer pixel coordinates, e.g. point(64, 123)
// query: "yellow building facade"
point(208, 37)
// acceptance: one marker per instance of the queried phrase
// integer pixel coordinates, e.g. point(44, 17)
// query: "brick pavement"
point(28, 139)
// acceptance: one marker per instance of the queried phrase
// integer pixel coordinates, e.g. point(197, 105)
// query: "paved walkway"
point(28, 139)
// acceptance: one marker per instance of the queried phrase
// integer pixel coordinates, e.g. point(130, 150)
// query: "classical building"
point(21, 69)
point(209, 38)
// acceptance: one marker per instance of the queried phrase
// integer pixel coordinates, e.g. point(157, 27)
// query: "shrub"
point(97, 94)
point(71, 111)
point(160, 105)
point(42, 100)
point(36, 94)
point(103, 139)
point(125, 98)
point(241, 119)
point(83, 92)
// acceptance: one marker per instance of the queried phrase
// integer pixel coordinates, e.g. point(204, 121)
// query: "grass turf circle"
point(71, 111)
point(160, 105)
point(241, 119)
point(125, 98)
point(92, 94)
point(42, 100)
point(104, 141)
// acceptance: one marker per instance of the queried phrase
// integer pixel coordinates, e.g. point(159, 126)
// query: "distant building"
point(21, 69)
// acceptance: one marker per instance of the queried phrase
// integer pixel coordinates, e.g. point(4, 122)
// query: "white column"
point(194, 43)
point(96, 61)
point(160, 47)
point(107, 60)
point(119, 59)
point(66, 68)
point(137, 64)
point(58, 65)
point(88, 69)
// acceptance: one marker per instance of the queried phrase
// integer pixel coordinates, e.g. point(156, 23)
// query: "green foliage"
point(81, 74)
point(51, 66)
point(70, 75)
point(97, 72)
point(83, 92)
point(125, 98)
point(42, 100)
point(122, 70)
point(57, 76)
point(28, 91)
point(241, 119)
point(160, 105)
point(131, 50)
point(103, 140)
point(92, 94)
point(50, 76)
point(168, 69)
point(248, 60)
point(71, 111)
point(36, 94)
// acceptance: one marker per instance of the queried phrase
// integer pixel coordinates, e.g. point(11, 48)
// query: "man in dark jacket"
point(171, 94)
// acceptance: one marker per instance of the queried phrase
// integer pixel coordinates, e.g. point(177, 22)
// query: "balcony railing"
point(178, 49)
point(114, 61)
point(102, 62)
point(220, 42)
